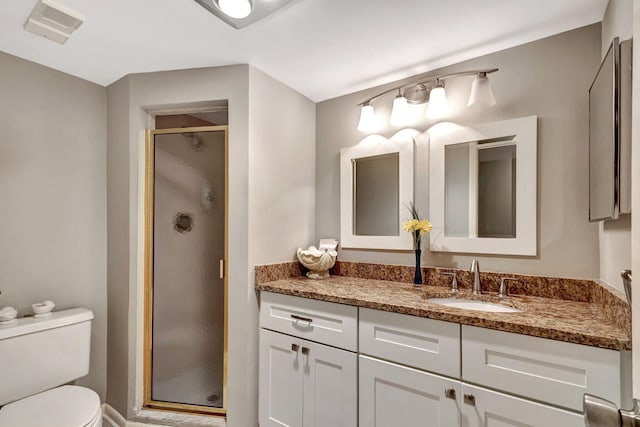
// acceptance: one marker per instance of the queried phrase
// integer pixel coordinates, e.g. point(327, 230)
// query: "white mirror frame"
point(525, 242)
point(369, 148)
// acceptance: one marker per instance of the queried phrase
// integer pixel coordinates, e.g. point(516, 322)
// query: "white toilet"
point(38, 356)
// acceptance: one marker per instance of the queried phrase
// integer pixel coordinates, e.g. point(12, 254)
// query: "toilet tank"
point(39, 354)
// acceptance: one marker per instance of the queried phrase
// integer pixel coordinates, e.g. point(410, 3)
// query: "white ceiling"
point(321, 48)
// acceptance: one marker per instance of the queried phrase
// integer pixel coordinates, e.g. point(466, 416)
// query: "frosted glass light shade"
point(237, 9)
point(438, 105)
point(481, 94)
point(367, 118)
point(399, 111)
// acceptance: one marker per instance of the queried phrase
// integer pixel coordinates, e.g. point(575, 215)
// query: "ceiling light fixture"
point(237, 9)
point(242, 13)
point(431, 90)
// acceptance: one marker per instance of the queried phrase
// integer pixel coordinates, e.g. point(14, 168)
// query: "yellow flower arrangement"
point(416, 226)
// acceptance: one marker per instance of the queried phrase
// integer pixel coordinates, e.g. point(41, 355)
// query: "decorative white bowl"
point(317, 261)
point(42, 309)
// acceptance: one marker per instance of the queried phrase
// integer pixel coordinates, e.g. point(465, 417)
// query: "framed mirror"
point(376, 182)
point(483, 187)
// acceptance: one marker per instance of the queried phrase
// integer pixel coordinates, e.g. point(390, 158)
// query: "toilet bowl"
point(66, 406)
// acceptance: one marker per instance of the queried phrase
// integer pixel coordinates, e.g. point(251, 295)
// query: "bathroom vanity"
point(351, 351)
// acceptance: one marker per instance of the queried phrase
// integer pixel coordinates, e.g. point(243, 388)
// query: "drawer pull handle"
point(305, 350)
point(470, 399)
point(304, 319)
point(450, 393)
point(294, 347)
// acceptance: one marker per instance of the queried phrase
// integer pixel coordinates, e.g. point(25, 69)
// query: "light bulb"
point(367, 118)
point(481, 94)
point(237, 9)
point(438, 105)
point(399, 111)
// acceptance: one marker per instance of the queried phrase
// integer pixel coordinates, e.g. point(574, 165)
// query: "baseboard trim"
point(111, 417)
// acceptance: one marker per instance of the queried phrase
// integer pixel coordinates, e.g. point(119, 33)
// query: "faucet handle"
point(454, 281)
point(475, 266)
point(504, 290)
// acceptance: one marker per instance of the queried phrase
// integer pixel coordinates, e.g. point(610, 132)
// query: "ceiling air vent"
point(53, 21)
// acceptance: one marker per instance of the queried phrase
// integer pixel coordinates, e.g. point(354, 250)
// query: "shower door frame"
point(148, 402)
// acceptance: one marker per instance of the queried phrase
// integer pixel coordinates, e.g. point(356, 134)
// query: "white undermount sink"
point(468, 304)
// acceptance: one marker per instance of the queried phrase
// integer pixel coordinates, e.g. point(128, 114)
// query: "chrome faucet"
point(475, 269)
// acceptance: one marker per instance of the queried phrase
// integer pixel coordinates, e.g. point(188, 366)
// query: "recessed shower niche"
point(185, 281)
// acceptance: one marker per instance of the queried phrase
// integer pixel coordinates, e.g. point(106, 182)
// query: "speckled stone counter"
point(581, 320)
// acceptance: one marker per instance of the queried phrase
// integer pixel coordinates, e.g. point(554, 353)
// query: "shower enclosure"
point(185, 280)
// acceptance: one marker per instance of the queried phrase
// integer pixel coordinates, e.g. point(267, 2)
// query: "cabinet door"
point(392, 395)
point(330, 386)
point(280, 378)
point(485, 408)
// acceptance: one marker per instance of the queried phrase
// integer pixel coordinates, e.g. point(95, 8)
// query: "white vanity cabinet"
point(303, 382)
point(325, 364)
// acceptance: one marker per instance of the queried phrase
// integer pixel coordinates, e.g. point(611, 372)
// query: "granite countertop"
point(553, 318)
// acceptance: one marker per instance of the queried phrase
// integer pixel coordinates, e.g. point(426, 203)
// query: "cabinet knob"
point(305, 350)
point(470, 399)
point(450, 393)
point(294, 347)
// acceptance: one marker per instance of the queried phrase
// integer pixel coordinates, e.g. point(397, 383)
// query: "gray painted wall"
point(549, 78)
point(53, 187)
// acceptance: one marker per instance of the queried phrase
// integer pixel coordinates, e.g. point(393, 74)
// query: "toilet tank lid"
point(30, 325)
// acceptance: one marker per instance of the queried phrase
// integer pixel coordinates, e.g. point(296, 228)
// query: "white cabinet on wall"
point(302, 382)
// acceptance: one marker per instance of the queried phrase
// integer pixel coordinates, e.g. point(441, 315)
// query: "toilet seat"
point(66, 406)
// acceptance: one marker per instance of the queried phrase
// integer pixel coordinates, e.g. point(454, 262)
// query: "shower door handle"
point(222, 269)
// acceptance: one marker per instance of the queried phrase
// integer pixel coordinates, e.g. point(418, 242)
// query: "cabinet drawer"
point(320, 321)
point(426, 344)
point(485, 408)
point(549, 371)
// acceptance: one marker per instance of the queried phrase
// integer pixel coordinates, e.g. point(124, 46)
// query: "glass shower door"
point(186, 290)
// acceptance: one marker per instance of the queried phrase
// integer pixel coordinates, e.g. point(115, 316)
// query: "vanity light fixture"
point(367, 118)
point(431, 90)
point(399, 111)
point(438, 105)
point(481, 94)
